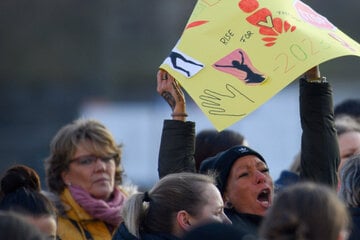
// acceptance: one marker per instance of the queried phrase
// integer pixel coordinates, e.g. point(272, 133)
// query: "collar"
point(72, 208)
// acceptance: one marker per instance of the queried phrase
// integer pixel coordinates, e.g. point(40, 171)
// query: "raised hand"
point(313, 74)
point(170, 90)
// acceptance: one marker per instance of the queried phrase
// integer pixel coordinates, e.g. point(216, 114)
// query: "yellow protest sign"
point(234, 55)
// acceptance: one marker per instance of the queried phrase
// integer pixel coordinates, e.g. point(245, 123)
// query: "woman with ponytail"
point(177, 203)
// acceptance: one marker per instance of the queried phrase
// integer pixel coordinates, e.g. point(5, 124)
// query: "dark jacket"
point(244, 222)
point(355, 216)
point(319, 147)
point(320, 155)
point(177, 148)
point(122, 233)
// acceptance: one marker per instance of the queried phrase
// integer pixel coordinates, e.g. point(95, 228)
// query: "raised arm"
point(319, 147)
point(177, 145)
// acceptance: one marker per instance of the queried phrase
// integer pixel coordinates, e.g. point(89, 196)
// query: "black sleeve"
point(177, 148)
point(319, 146)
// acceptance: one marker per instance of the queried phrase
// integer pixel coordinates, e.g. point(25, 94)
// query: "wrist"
point(181, 116)
point(179, 112)
point(316, 80)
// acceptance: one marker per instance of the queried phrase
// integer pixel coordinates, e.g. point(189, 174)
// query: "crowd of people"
point(212, 185)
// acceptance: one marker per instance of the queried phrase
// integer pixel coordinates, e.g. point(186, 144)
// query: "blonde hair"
point(93, 135)
point(155, 211)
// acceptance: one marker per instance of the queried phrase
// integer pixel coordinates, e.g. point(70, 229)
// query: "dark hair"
point(19, 176)
point(14, 227)
point(20, 192)
point(65, 143)
point(209, 142)
point(305, 211)
point(350, 107)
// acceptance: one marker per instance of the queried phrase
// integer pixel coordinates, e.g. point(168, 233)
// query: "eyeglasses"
point(91, 159)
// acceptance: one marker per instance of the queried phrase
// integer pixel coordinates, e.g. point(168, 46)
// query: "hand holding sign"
point(171, 91)
point(234, 55)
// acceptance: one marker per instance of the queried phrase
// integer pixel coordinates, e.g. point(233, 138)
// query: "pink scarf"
point(108, 212)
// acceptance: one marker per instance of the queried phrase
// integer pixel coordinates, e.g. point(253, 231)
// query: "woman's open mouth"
point(264, 198)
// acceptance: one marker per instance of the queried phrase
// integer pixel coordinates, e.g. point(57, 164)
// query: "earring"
point(228, 204)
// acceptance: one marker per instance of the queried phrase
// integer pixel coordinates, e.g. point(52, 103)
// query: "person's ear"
point(66, 178)
point(225, 197)
point(226, 200)
point(184, 220)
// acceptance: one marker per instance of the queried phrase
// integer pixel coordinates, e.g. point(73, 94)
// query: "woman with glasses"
point(84, 174)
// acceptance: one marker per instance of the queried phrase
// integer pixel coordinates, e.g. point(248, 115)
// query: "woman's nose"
point(260, 177)
point(100, 165)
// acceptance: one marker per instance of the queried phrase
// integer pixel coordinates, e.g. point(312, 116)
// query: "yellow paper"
point(235, 55)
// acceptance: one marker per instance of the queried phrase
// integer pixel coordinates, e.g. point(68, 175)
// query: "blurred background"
point(60, 60)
